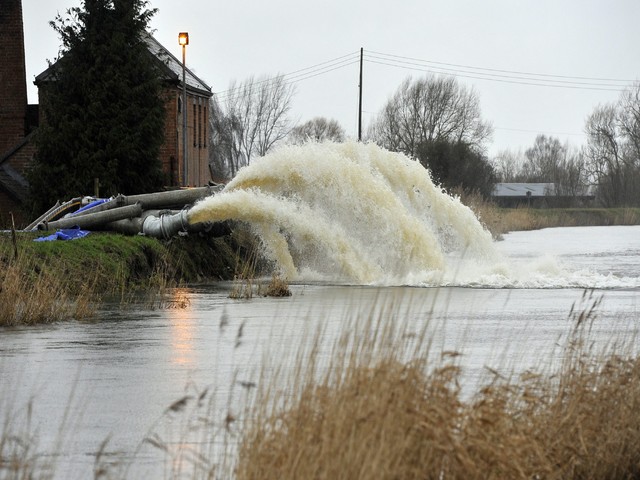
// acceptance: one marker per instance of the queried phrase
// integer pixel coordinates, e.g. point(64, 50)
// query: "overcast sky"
point(484, 43)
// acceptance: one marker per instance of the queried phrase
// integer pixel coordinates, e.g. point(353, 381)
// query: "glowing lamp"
point(183, 38)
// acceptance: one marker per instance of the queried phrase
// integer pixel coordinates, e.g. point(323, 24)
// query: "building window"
point(195, 117)
point(204, 126)
point(199, 126)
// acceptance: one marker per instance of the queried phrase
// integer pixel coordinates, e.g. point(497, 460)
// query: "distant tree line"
point(104, 119)
point(548, 161)
point(608, 165)
point(613, 149)
point(251, 118)
point(434, 120)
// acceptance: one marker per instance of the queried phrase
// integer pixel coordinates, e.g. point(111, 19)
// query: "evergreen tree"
point(457, 165)
point(103, 111)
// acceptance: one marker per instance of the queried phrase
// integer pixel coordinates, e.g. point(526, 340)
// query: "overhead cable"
point(518, 78)
point(297, 75)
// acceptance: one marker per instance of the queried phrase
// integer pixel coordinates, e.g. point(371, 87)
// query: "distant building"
point(18, 120)
point(536, 195)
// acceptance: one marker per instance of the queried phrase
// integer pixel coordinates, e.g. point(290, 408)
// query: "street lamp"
point(183, 39)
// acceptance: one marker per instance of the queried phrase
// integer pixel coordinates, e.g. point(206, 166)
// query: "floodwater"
point(115, 377)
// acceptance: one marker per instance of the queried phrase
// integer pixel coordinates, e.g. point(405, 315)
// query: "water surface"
point(115, 376)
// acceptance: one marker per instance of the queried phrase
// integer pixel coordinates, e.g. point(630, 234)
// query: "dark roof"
point(171, 68)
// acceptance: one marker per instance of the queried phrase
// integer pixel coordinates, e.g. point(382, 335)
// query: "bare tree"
point(260, 107)
point(508, 165)
point(613, 149)
point(317, 129)
point(629, 118)
point(225, 155)
point(572, 179)
point(605, 151)
point(427, 110)
point(253, 120)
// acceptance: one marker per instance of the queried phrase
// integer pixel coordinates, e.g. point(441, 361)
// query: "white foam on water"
point(353, 212)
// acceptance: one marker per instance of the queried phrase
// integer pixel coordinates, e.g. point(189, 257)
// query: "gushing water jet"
point(348, 212)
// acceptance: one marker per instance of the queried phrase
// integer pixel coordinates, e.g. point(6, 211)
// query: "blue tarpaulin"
point(64, 234)
point(95, 203)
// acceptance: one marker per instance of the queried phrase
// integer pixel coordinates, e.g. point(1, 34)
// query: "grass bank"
point(51, 281)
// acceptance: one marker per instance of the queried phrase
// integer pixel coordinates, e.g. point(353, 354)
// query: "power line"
point(505, 71)
point(527, 83)
point(352, 54)
point(512, 79)
point(274, 81)
point(297, 75)
point(521, 130)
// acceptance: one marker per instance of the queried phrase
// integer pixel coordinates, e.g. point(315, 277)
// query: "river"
point(116, 376)
point(362, 234)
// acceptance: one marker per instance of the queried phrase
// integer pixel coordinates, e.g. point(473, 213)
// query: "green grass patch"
point(65, 277)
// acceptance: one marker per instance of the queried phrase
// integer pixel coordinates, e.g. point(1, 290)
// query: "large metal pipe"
point(165, 225)
point(113, 202)
point(171, 198)
point(94, 220)
point(168, 199)
point(33, 225)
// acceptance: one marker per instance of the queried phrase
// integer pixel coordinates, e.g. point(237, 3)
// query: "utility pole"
point(360, 99)
point(183, 40)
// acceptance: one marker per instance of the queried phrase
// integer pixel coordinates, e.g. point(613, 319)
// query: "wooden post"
point(13, 236)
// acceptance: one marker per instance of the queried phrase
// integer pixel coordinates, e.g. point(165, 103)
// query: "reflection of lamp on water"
point(183, 40)
point(182, 326)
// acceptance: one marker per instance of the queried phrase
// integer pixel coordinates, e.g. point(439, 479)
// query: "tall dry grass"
point(503, 220)
point(384, 409)
point(245, 281)
point(31, 294)
point(382, 403)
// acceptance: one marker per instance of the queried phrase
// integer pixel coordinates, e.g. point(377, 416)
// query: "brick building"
point(18, 120)
point(198, 96)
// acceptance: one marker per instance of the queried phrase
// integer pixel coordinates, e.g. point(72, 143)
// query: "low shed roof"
point(523, 189)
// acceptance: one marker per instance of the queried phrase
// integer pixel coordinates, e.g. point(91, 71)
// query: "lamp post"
point(183, 39)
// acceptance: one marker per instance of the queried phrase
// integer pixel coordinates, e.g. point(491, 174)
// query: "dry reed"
point(382, 410)
point(245, 284)
point(30, 294)
point(503, 220)
point(19, 457)
point(277, 287)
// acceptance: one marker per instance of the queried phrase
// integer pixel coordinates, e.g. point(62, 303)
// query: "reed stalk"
point(378, 413)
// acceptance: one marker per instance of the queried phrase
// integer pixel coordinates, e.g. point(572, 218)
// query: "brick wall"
point(197, 139)
point(169, 154)
point(9, 205)
point(13, 84)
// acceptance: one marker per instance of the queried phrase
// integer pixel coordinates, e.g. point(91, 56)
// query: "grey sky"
point(238, 38)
